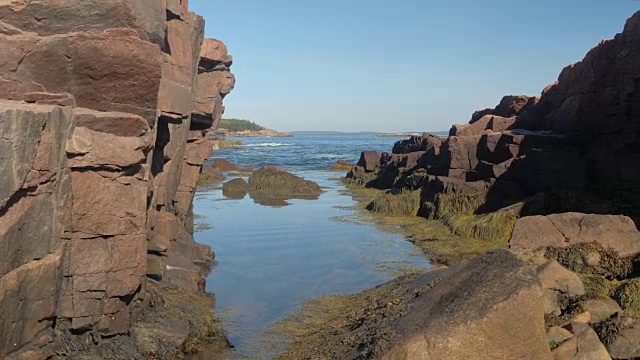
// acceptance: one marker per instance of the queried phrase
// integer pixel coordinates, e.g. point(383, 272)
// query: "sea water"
point(271, 259)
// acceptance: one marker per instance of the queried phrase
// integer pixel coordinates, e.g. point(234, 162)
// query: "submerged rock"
point(272, 186)
point(274, 181)
point(342, 165)
point(235, 189)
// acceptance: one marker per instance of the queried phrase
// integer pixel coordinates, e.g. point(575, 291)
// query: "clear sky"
point(403, 65)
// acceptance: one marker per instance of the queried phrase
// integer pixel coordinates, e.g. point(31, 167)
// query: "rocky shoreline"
point(546, 187)
point(103, 113)
point(254, 133)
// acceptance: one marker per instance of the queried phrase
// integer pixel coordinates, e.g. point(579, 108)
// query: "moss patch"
point(496, 226)
point(579, 258)
point(403, 204)
point(194, 309)
point(347, 326)
point(434, 238)
point(206, 180)
point(454, 204)
point(628, 296)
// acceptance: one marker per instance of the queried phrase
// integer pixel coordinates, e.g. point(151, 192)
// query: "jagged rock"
point(583, 346)
point(370, 160)
point(49, 18)
point(488, 123)
point(509, 106)
point(100, 159)
point(44, 98)
point(28, 301)
point(213, 50)
point(557, 335)
point(600, 309)
point(558, 141)
point(512, 105)
point(426, 142)
point(78, 63)
point(627, 343)
point(474, 312)
point(156, 266)
point(223, 165)
point(581, 318)
point(554, 276)
point(616, 232)
point(550, 301)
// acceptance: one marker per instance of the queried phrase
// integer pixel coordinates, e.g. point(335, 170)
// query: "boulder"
point(277, 182)
point(370, 160)
point(627, 343)
point(223, 165)
point(557, 335)
point(486, 124)
point(583, 346)
point(213, 50)
point(426, 142)
point(614, 232)
point(600, 309)
point(554, 276)
point(512, 105)
point(235, 189)
point(490, 308)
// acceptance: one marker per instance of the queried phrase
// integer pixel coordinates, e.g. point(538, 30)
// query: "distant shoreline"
point(398, 134)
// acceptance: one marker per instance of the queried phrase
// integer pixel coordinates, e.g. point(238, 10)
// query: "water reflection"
point(271, 258)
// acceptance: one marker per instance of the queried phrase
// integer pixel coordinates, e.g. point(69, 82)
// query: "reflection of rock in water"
point(262, 198)
point(272, 186)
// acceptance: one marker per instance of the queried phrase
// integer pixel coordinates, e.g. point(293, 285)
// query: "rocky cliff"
point(555, 179)
point(102, 119)
point(581, 136)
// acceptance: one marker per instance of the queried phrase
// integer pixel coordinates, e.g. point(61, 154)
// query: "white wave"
point(331, 156)
point(267, 145)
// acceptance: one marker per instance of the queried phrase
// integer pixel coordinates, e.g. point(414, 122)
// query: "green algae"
point(628, 296)
point(577, 258)
point(403, 204)
point(433, 237)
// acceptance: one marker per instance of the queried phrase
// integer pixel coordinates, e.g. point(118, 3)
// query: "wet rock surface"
point(272, 186)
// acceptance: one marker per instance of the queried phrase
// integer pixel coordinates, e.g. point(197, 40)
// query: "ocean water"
point(271, 259)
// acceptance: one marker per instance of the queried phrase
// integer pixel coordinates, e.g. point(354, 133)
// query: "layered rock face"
point(581, 135)
point(102, 141)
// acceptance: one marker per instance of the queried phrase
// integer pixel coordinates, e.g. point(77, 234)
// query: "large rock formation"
point(102, 141)
point(580, 136)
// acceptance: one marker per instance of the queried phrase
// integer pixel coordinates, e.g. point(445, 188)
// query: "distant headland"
point(246, 128)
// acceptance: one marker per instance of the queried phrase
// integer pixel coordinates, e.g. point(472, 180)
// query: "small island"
point(246, 128)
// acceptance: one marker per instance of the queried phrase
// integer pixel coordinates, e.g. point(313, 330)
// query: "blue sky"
point(403, 65)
